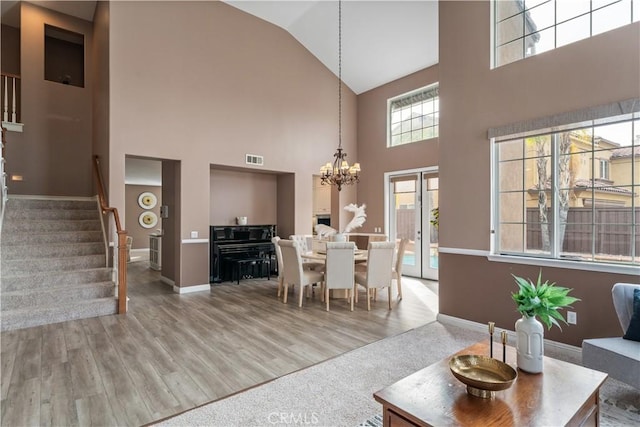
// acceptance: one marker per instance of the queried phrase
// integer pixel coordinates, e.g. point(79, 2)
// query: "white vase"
point(339, 237)
point(529, 344)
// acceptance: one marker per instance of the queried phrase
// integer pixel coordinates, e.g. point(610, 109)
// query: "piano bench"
point(240, 265)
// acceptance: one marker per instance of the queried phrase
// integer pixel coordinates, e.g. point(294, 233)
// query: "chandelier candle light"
point(340, 173)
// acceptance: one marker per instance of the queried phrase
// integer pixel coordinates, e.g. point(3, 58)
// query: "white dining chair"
point(294, 274)
point(379, 269)
point(339, 269)
point(305, 245)
point(276, 246)
point(396, 273)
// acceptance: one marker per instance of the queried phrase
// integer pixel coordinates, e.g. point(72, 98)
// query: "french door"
point(412, 198)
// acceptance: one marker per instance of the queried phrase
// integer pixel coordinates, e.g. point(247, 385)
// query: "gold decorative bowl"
point(482, 375)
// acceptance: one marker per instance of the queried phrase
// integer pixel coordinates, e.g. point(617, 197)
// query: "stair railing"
point(120, 258)
point(10, 84)
point(4, 191)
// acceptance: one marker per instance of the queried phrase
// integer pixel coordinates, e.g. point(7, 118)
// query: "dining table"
point(360, 255)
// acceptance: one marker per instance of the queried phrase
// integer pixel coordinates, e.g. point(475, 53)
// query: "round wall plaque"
point(148, 219)
point(147, 200)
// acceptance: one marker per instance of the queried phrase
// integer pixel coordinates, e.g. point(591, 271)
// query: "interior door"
point(412, 199)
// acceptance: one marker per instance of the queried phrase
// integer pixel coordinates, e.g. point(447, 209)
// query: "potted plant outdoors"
point(537, 300)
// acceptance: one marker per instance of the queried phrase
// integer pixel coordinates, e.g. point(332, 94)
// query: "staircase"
point(52, 259)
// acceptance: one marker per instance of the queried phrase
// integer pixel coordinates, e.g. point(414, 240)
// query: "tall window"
point(524, 28)
point(413, 117)
point(573, 194)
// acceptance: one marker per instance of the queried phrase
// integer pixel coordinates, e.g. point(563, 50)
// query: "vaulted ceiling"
point(382, 40)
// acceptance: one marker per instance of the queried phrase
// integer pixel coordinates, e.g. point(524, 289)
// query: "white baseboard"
point(189, 289)
point(167, 281)
point(184, 289)
point(569, 350)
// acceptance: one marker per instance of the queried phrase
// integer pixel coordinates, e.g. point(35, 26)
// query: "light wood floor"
point(173, 352)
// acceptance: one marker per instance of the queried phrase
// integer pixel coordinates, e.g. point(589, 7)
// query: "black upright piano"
point(229, 243)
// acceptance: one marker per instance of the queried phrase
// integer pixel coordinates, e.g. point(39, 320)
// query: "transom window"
point(572, 194)
point(413, 117)
point(524, 28)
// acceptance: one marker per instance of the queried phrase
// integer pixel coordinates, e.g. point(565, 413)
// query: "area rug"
point(339, 391)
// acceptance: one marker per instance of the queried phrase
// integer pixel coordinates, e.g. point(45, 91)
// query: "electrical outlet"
point(572, 317)
point(194, 234)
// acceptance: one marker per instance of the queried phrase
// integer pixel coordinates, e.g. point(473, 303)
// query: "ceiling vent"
point(253, 159)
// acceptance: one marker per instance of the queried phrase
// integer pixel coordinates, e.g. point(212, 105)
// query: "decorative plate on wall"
point(148, 219)
point(147, 200)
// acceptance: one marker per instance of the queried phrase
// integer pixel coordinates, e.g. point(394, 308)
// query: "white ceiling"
point(382, 40)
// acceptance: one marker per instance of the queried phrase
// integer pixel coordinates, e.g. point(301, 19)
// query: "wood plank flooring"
point(174, 352)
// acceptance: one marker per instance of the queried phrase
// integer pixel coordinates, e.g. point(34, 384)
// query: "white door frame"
point(387, 195)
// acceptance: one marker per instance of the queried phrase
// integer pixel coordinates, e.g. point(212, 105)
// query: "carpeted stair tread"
point(28, 317)
point(15, 203)
point(36, 265)
point(52, 237)
point(25, 281)
point(46, 214)
point(53, 263)
point(52, 250)
point(58, 295)
point(51, 225)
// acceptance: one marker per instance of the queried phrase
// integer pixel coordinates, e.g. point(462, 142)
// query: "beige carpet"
point(339, 392)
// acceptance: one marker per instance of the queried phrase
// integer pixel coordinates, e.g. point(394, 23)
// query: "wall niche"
point(63, 56)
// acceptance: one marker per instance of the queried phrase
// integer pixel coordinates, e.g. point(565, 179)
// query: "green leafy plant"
point(542, 299)
point(435, 217)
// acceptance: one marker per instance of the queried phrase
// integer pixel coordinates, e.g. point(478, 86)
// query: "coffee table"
point(564, 394)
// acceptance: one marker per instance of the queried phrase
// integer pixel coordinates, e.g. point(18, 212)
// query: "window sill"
point(574, 265)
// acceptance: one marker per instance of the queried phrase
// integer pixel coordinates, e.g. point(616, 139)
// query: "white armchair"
point(339, 269)
point(276, 246)
point(379, 269)
point(294, 274)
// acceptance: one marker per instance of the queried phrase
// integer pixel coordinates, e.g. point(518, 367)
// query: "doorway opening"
point(411, 198)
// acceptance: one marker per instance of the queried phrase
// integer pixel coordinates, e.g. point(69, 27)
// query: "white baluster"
point(13, 106)
point(6, 101)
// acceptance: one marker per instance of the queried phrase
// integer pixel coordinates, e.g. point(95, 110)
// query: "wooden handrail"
point(122, 239)
point(13, 76)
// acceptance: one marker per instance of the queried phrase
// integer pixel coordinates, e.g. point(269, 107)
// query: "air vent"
point(252, 159)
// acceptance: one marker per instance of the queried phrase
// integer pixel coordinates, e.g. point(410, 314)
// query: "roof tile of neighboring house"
point(625, 152)
point(585, 184)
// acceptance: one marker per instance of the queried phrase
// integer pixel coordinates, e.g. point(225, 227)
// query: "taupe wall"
point(219, 85)
point(473, 98)
point(375, 157)
point(238, 193)
point(100, 89)
point(55, 154)
point(133, 210)
point(10, 49)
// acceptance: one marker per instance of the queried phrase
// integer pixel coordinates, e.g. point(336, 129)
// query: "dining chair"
point(304, 243)
point(294, 274)
point(379, 269)
point(339, 271)
point(275, 241)
point(396, 273)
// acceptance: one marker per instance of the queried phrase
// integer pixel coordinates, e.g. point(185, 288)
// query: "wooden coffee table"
point(564, 394)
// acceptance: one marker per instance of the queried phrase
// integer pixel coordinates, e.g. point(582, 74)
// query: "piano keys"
point(232, 242)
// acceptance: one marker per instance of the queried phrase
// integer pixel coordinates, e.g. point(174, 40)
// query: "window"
point(523, 28)
point(572, 194)
point(413, 117)
point(603, 166)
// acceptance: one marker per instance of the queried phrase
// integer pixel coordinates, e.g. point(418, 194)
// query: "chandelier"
point(340, 173)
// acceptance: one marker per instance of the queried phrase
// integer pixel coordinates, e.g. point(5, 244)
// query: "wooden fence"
point(608, 229)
